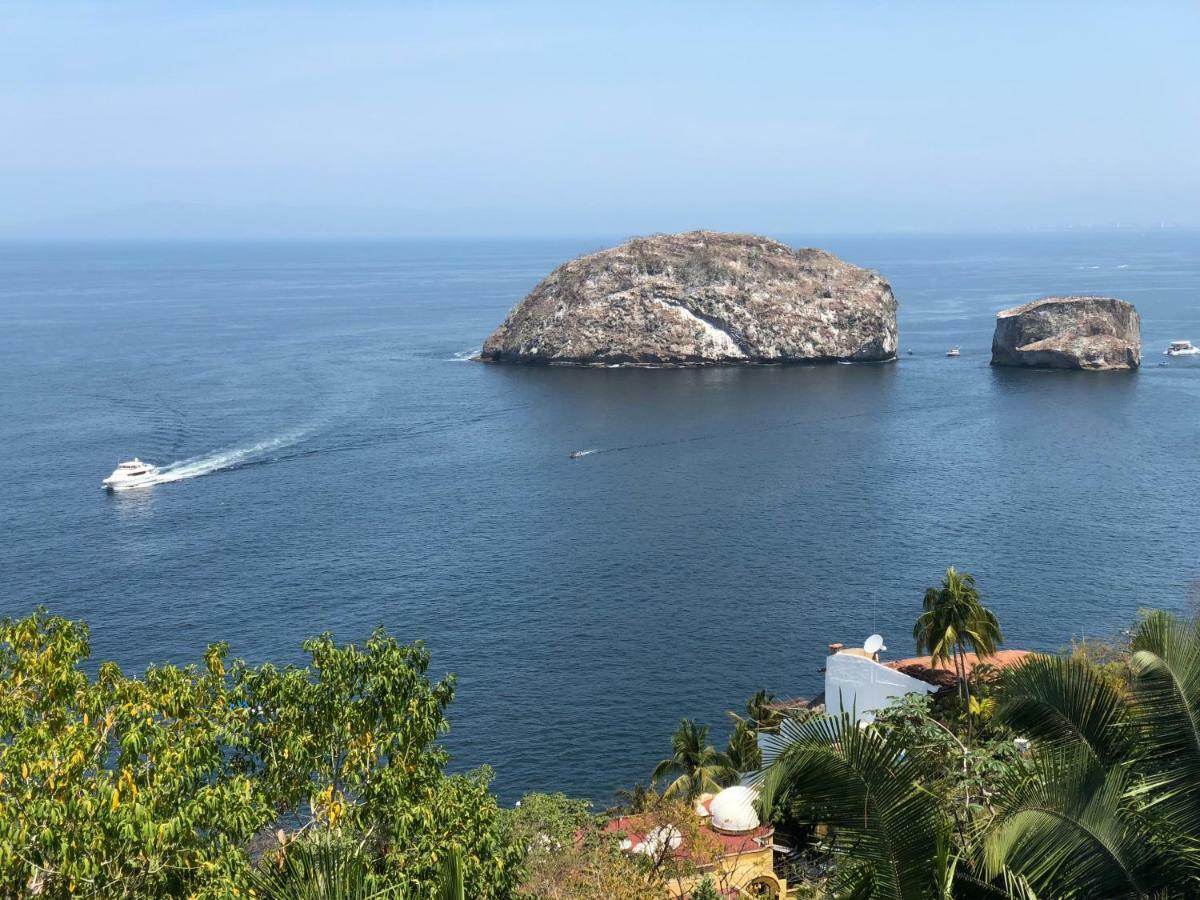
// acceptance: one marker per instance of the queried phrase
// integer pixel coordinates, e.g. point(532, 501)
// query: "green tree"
point(349, 742)
point(118, 786)
point(697, 766)
point(547, 825)
point(952, 619)
point(153, 787)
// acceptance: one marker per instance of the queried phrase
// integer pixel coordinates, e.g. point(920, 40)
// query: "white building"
point(859, 684)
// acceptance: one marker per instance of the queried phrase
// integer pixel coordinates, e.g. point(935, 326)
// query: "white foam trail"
point(466, 355)
point(230, 458)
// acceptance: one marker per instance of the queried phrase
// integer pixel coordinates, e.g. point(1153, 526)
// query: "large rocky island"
point(700, 298)
point(1069, 333)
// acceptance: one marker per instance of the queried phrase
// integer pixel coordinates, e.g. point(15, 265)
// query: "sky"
point(356, 119)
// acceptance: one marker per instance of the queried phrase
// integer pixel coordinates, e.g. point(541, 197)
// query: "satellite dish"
point(874, 644)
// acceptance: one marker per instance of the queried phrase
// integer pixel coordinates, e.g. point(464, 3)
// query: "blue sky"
point(361, 119)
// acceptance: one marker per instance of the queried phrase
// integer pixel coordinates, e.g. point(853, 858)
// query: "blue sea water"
point(341, 465)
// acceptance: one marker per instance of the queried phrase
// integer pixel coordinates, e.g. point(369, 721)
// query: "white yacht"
point(129, 474)
point(953, 351)
point(1181, 348)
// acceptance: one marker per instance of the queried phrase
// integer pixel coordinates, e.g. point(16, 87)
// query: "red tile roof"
point(635, 828)
point(942, 674)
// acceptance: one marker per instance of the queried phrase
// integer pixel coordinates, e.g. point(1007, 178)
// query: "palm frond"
point(452, 886)
point(320, 869)
point(1166, 687)
point(831, 771)
point(1068, 832)
point(1066, 703)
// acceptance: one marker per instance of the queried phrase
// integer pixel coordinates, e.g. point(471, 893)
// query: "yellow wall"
point(738, 872)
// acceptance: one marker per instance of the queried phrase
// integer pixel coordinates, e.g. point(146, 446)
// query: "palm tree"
point(1107, 806)
point(743, 751)
point(760, 711)
point(698, 767)
point(324, 868)
point(886, 827)
point(637, 799)
point(1114, 809)
point(321, 869)
point(953, 618)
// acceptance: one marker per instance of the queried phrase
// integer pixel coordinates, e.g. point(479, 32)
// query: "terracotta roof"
point(796, 703)
point(942, 674)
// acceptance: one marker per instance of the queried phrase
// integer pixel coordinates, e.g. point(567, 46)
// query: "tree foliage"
point(570, 855)
point(155, 786)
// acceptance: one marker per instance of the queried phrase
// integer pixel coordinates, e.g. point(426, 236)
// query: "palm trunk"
point(966, 692)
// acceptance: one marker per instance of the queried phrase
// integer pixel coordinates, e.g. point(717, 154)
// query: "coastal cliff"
point(700, 298)
point(1069, 333)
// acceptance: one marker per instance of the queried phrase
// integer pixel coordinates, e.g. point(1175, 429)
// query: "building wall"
point(860, 686)
point(740, 872)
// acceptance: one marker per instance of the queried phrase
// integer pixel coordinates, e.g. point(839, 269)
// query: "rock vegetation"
point(700, 298)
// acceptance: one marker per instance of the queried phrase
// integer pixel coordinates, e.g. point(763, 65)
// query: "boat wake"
point(779, 426)
point(227, 459)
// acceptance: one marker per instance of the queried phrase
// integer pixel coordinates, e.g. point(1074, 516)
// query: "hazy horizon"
point(365, 120)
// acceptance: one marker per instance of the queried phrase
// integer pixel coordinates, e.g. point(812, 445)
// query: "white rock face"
point(701, 298)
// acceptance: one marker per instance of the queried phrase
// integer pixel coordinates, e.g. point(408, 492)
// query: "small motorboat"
point(953, 351)
point(129, 474)
point(1181, 348)
point(577, 454)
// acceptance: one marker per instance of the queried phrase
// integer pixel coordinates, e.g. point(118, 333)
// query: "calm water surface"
point(342, 466)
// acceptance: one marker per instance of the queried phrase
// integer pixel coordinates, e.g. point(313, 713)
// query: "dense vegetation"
point(1063, 778)
point(197, 781)
point(1066, 776)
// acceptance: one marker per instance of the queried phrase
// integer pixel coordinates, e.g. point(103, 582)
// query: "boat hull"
point(123, 484)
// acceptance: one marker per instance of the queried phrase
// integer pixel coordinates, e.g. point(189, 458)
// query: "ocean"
point(335, 462)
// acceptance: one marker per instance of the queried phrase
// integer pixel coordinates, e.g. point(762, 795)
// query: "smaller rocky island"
point(1069, 333)
point(700, 298)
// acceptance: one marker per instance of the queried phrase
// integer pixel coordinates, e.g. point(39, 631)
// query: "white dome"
point(733, 809)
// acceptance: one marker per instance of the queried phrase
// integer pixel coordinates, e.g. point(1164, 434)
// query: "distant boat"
point(1181, 348)
point(953, 351)
point(129, 474)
